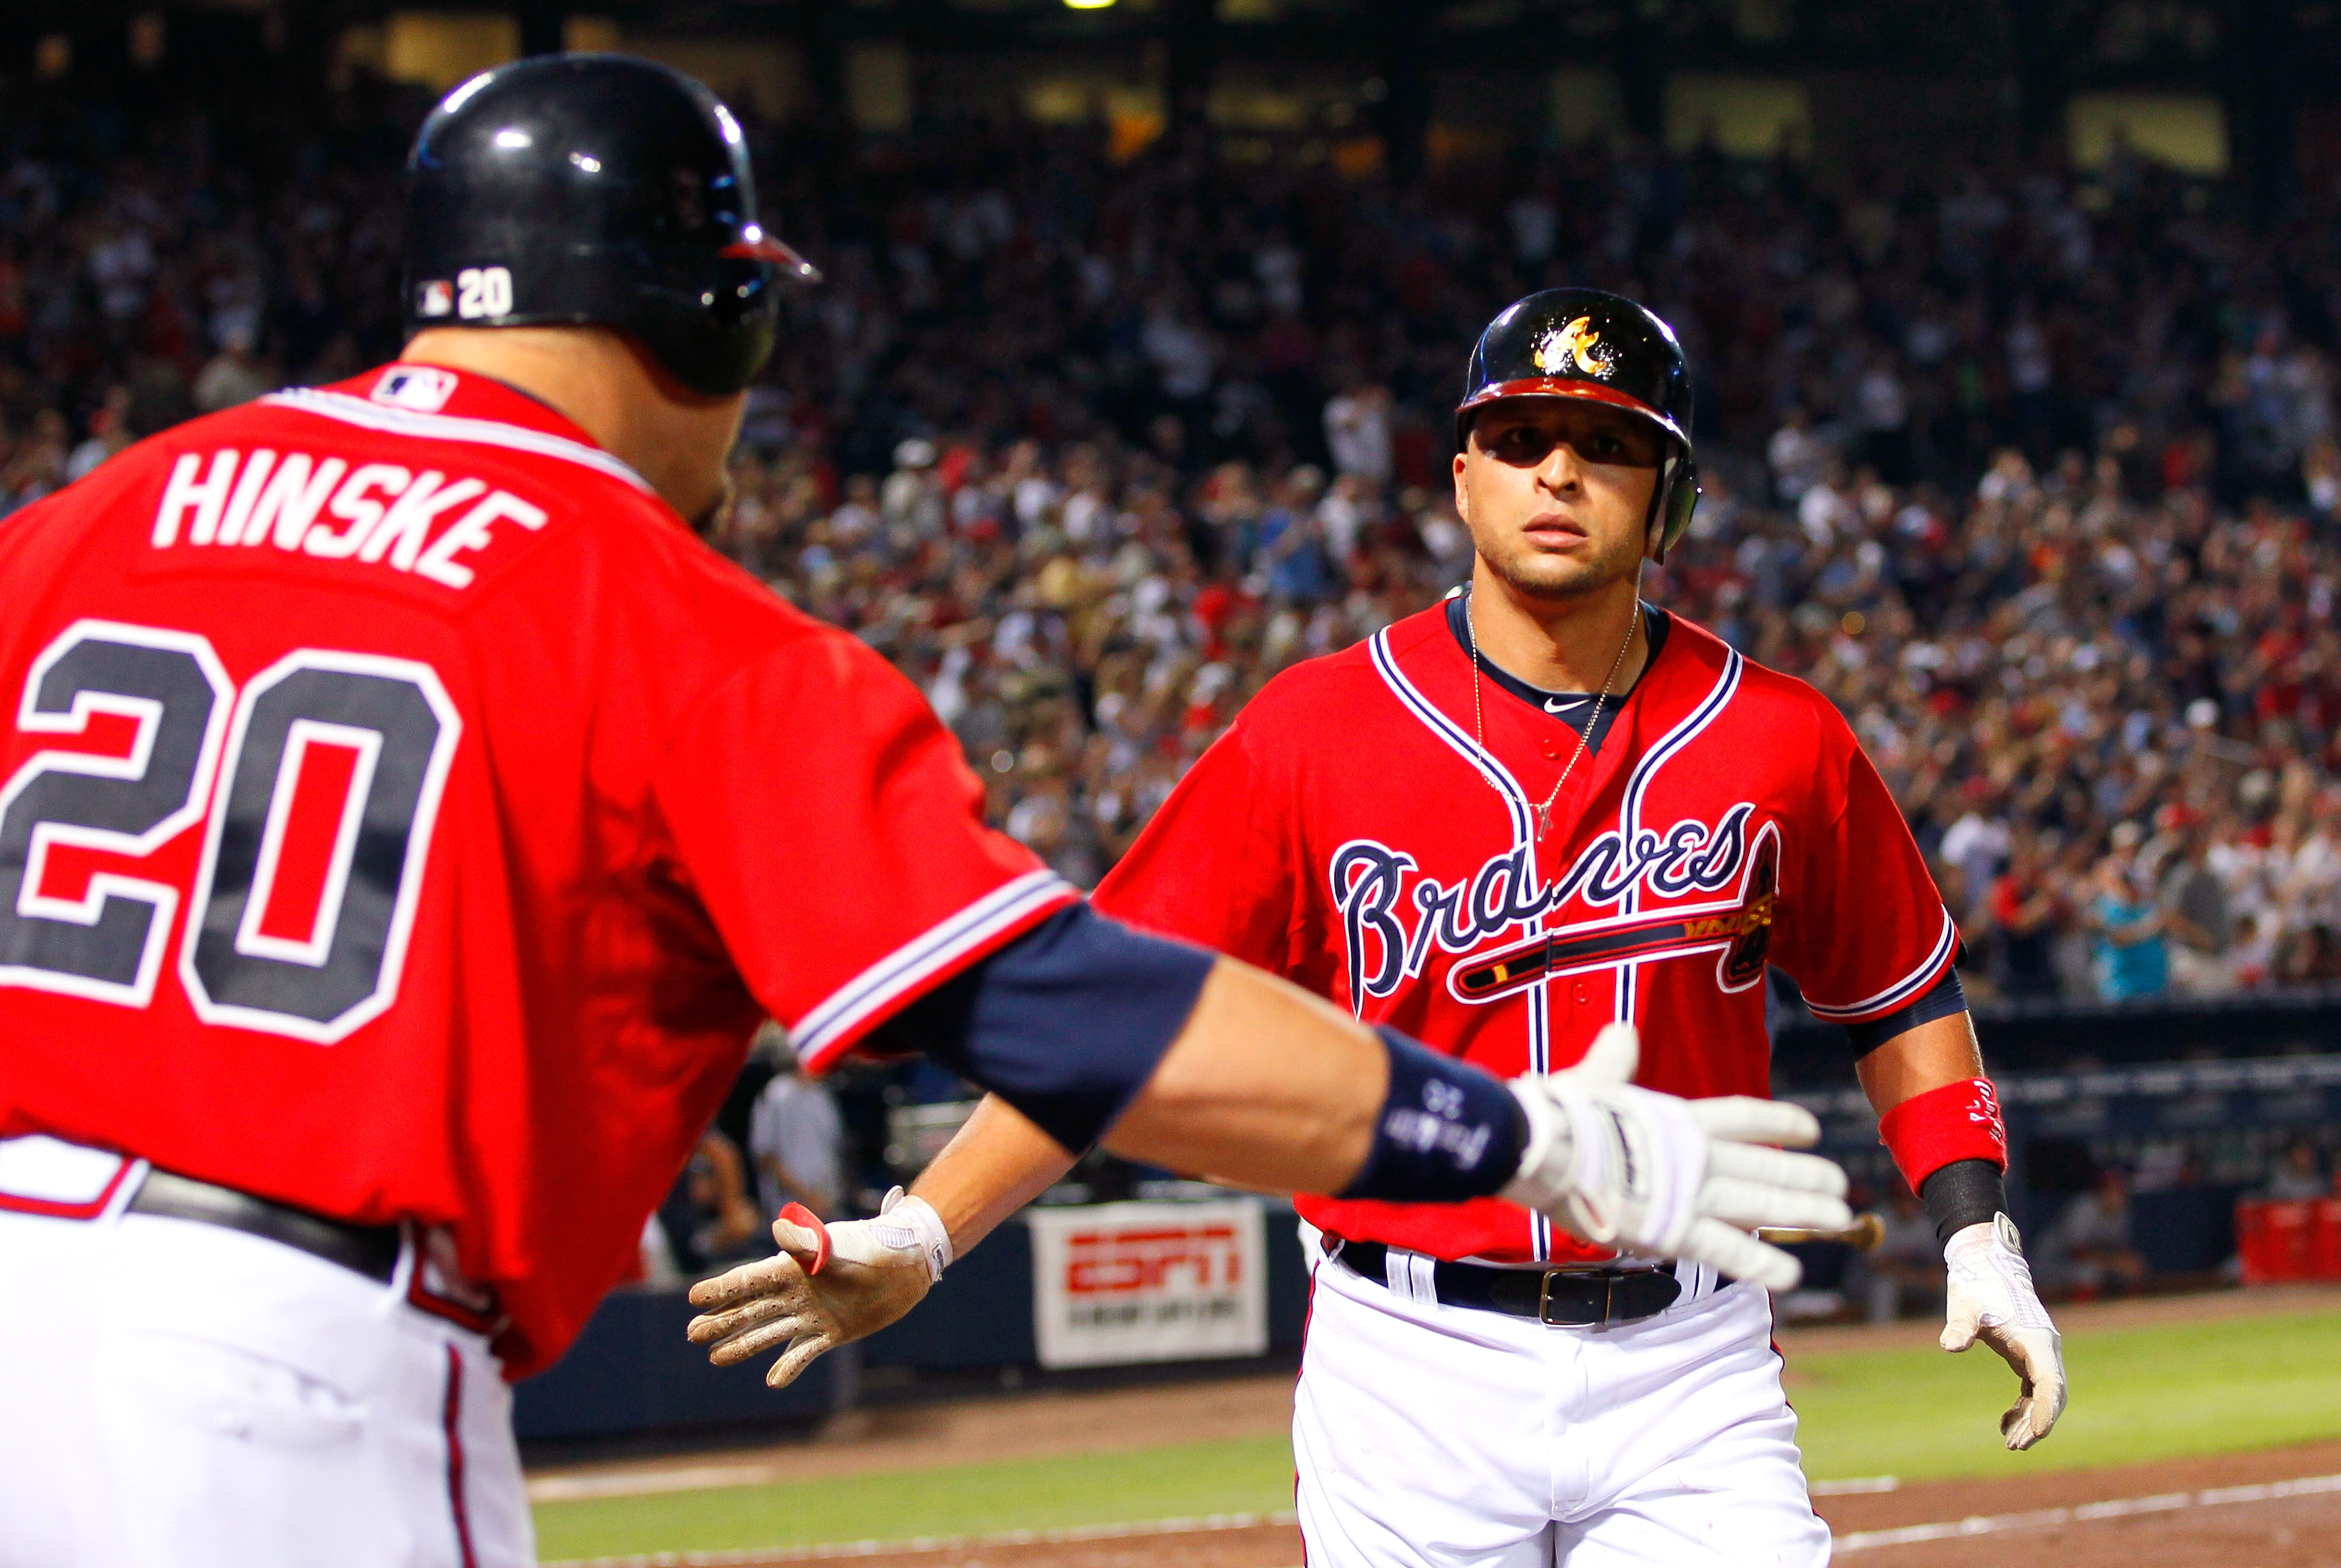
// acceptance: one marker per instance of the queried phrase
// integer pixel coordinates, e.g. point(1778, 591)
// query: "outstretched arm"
point(996, 1165)
point(1946, 1130)
point(875, 1271)
point(1268, 1086)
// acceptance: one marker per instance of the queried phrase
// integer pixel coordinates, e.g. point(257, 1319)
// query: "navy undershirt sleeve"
point(1945, 997)
point(1066, 1023)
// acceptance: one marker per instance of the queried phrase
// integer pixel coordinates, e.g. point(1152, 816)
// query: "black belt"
point(1562, 1298)
point(370, 1250)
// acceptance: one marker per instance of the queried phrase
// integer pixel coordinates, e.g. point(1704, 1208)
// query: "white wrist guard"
point(909, 1223)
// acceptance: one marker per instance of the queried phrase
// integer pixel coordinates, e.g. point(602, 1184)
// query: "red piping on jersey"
point(1903, 992)
point(21, 1204)
point(832, 1041)
point(452, 1417)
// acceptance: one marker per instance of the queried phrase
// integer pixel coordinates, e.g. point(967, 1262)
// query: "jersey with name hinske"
point(1350, 832)
point(406, 818)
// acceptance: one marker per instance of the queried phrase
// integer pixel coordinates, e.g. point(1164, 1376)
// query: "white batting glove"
point(1652, 1174)
point(830, 1285)
point(1992, 1299)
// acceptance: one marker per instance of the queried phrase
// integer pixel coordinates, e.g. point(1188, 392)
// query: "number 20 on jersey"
point(316, 786)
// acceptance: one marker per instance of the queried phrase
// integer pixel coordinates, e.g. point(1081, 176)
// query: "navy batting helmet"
point(1584, 343)
point(575, 189)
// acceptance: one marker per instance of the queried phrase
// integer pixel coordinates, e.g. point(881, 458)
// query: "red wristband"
point(1955, 1122)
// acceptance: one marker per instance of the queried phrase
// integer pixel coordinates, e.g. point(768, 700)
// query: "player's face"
point(1556, 492)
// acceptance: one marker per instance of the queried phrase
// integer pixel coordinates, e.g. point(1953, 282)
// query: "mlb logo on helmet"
point(436, 297)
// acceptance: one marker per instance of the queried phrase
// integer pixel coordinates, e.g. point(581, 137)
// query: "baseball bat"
point(1864, 1234)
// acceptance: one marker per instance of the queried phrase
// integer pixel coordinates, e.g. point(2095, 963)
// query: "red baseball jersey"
point(407, 818)
point(1350, 832)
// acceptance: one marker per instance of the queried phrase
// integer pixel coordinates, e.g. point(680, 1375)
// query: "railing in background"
point(2051, 1036)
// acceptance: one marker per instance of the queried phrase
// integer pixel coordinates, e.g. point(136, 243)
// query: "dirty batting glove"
point(1990, 1298)
point(830, 1285)
point(1654, 1175)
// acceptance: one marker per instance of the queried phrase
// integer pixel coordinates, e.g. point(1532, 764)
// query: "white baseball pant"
point(1434, 1436)
point(176, 1394)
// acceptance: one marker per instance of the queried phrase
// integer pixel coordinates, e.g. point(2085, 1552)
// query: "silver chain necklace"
point(1584, 737)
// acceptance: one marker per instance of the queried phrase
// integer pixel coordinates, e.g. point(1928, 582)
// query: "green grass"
point(1239, 1475)
point(2156, 1393)
point(2166, 1391)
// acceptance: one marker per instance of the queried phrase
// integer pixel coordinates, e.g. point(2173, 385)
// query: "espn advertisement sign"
point(1121, 1282)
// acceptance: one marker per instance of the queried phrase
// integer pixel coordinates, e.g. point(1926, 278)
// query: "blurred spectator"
point(2298, 1178)
point(2010, 465)
point(2131, 958)
point(1906, 1267)
point(1977, 843)
point(2089, 1252)
point(708, 1217)
point(2195, 913)
point(2025, 910)
point(1797, 457)
point(1357, 434)
point(109, 433)
point(158, 399)
point(794, 1135)
point(233, 375)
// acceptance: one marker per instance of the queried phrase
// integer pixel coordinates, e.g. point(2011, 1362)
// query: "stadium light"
point(1087, 5)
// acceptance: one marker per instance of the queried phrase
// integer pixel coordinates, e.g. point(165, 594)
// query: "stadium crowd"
point(2033, 473)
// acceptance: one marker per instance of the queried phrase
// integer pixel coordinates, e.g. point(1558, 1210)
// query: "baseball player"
point(405, 824)
point(1525, 824)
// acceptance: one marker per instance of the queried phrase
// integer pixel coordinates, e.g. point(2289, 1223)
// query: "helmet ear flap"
point(1672, 507)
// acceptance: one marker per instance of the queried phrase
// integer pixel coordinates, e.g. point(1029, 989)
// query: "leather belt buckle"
point(1609, 1298)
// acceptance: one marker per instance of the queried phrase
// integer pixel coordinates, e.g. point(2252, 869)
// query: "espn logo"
point(1114, 1262)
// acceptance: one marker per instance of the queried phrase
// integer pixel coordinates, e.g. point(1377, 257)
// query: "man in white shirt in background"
point(794, 1136)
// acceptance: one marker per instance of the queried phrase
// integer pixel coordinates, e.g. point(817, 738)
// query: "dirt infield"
point(2259, 1531)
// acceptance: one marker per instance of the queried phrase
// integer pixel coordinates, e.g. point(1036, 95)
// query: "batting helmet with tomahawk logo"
point(1584, 343)
point(596, 189)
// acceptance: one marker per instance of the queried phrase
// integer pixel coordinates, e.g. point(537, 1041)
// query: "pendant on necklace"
point(1544, 819)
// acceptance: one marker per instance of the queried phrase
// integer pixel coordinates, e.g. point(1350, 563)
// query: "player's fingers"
point(1750, 1204)
point(1740, 1256)
point(1616, 1052)
point(2039, 1363)
point(1777, 1168)
point(1960, 1324)
point(803, 1242)
point(709, 1327)
point(748, 1280)
point(754, 1342)
point(2041, 1409)
point(800, 1355)
point(1744, 1119)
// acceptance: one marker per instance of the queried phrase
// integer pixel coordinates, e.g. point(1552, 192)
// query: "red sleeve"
point(1862, 928)
point(1215, 866)
point(835, 836)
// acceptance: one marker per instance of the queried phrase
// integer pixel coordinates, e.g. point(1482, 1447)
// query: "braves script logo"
point(1371, 888)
